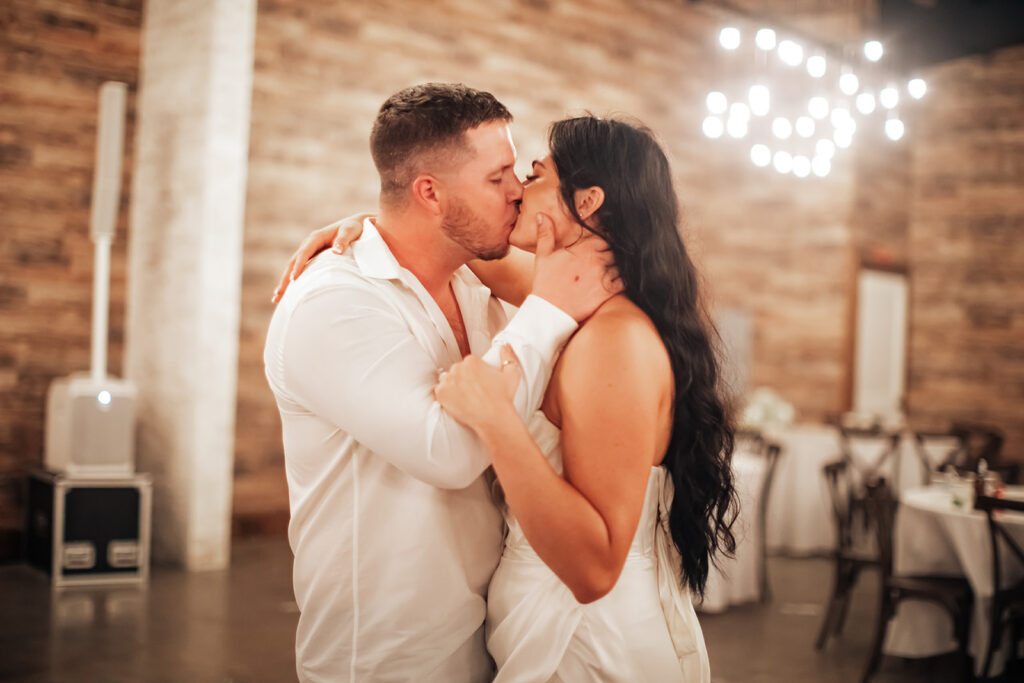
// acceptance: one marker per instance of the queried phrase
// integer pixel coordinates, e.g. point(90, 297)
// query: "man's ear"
point(426, 192)
point(588, 201)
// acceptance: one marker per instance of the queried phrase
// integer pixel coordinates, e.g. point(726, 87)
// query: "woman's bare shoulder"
point(619, 339)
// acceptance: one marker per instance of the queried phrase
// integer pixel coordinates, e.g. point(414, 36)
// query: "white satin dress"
point(645, 629)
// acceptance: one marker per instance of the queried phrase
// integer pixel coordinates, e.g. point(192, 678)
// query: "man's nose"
point(516, 193)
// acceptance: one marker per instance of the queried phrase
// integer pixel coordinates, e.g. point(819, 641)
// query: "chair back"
point(998, 533)
point(980, 441)
point(886, 447)
point(841, 495)
point(882, 506)
point(936, 449)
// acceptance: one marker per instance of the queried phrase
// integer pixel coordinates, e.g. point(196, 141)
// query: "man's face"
point(482, 199)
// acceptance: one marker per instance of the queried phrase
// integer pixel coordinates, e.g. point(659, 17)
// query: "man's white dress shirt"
point(393, 529)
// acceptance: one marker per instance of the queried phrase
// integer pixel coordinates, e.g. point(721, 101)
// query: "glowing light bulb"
point(760, 155)
point(818, 107)
point(917, 88)
point(849, 83)
point(729, 38)
point(737, 127)
point(765, 39)
point(873, 50)
point(865, 103)
point(103, 397)
point(791, 53)
point(783, 162)
point(760, 99)
point(816, 66)
point(782, 128)
point(739, 110)
point(821, 166)
point(839, 116)
point(894, 129)
point(717, 104)
point(825, 148)
point(889, 97)
point(805, 126)
point(801, 166)
point(713, 127)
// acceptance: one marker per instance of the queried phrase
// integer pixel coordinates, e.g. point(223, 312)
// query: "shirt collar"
point(373, 256)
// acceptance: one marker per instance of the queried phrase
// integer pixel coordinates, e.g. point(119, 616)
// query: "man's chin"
point(493, 254)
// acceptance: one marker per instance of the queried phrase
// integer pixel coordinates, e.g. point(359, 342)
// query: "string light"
point(729, 38)
point(717, 103)
point(849, 83)
point(829, 122)
point(805, 126)
point(894, 129)
point(713, 127)
point(791, 53)
point(889, 97)
point(765, 39)
point(760, 100)
point(782, 128)
point(818, 107)
point(736, 126)
point(760, 155)
point(783, 161)
point(816, 66)
point(873, 50)
point(739, 110)
point(865, 103)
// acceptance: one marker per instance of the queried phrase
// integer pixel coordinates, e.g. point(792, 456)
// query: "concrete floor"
point(239, 626)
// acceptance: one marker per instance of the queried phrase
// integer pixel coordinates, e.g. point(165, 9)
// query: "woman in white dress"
point(618, 493)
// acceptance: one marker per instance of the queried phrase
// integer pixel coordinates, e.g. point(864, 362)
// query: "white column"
point(185, 264)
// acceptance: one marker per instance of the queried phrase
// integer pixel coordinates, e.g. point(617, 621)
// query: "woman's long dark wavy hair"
point(639, 220)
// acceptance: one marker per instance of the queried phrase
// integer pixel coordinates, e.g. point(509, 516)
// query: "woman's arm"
point(615, 401)
point(509, 278)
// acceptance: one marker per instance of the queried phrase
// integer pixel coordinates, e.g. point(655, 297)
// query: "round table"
point(934, 536)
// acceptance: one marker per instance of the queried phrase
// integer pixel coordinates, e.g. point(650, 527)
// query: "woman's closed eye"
point(530, 178)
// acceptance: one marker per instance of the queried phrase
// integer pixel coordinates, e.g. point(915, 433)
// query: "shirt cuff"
point(536, 334)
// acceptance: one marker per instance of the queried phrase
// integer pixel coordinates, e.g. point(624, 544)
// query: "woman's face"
point(542, 195)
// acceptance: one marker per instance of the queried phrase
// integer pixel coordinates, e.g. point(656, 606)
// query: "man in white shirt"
point(393, 527)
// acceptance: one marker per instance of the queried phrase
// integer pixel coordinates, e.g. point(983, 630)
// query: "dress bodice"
point(548, 438)
point(644, 629)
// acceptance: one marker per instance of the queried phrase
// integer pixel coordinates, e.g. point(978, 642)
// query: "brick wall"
point(55, 55)
point(947, 201)
point(965, 230)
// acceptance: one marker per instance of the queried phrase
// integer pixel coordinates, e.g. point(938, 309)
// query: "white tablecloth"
point(799, 507)
point(933, 536)
point(738, 579)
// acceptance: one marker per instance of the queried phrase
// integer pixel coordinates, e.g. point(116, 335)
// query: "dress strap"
point(680, 617)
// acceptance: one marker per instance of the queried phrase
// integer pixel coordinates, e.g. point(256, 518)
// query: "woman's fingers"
point(286, 278)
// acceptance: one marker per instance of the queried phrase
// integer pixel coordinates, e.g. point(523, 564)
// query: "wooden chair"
point(889, 450)
point(1007, 603)
point(771, 453)
point(950, 446)
point(952, 594)
point(850, 558)
point(980, 441)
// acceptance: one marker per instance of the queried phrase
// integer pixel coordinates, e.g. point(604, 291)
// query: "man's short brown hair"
point(423, 125)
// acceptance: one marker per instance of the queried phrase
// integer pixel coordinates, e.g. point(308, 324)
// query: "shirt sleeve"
point(536, 334)
point(349, 357)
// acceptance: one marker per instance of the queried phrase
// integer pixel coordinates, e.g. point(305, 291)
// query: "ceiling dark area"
point(919, 33)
